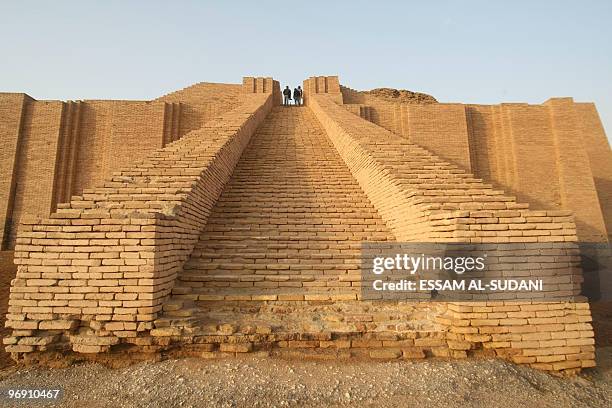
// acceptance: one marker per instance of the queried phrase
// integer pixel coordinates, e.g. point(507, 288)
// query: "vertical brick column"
point(576, 184)
point(329, 85)
point(263, 85)
point(11, 116)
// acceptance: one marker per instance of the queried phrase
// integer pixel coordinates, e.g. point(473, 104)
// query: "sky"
point(458, 51)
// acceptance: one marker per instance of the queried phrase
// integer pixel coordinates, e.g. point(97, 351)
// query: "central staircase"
point(281, 248)
point(288, 225)
point(277, 266)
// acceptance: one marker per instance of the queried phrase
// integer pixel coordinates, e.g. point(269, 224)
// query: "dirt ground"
point(268, 382)
point(252, 381)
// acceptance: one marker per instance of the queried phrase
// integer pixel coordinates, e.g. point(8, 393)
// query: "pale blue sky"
point(458, 51)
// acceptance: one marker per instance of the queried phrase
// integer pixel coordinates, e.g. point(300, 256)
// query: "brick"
point(236, 347)
point(385, 354)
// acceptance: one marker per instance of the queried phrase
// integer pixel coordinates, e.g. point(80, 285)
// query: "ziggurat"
point(213, 221)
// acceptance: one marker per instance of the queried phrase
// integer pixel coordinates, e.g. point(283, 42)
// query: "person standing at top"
point(296, 96)
point(301, 95)
point(287, 94)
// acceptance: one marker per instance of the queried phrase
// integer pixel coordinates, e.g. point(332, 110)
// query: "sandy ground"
point(262, 382)
point(268, 382)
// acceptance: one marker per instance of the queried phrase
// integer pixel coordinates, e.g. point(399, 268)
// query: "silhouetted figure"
point(296, 96)
point(301, 95)
point(287, 94)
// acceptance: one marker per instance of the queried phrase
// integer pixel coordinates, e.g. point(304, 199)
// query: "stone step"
point(450, 198)
point(211, 276)
point(205, 294)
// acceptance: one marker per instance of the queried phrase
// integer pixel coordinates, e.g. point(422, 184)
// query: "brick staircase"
point(254, 222)
point(276, 268)
point(288, 225)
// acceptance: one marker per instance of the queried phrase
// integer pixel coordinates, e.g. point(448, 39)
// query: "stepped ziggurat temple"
point(213, 221)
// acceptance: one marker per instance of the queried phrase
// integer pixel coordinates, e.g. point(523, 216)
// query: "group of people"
point(297, 96)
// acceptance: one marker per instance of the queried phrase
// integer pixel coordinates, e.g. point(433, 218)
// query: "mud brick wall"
point(115, 133)
point(329, 85)
point(202, 102)
point(363, 111)
point(551, 336)
point(440, 128)
point(263, 85)
point(56, 149)
point(600, 157)
point(37, 157)
point(576, 182)
point(98, 271)
point(422, 197)
point(67, 154)
point(515, 145)
point(519, 145)
point(387, 114)
point(12, 107)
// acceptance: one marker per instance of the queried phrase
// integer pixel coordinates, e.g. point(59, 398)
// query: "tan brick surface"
point(248, 217)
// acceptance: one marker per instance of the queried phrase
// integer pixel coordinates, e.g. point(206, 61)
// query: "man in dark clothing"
point(301, 95)
point(296, 96)
point(287, 94)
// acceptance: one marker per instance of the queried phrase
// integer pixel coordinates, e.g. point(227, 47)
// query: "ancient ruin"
point(212, 220)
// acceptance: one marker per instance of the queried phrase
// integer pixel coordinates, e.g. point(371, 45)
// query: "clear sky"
point(458, 51)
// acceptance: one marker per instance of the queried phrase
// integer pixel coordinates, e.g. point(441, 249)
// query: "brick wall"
point(597, 147)
point(441, 128)
point(98, 271)
point(529, 142)
point(546, 336)
point(11, 117)
point(515, 146)
point(438, 127)
point(203, 101)
point(263, 85)
point(519, 145)
point(58, 149)
point(424, 199)
point(322, 85)
point(576, 177)
point(384, 113)
point(113, 134)
point(412, 187)
point(37, 160)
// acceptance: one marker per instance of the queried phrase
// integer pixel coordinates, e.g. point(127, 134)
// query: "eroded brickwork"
point(234, 226)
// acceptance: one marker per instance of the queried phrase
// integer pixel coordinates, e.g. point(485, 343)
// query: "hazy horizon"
point(468, 52)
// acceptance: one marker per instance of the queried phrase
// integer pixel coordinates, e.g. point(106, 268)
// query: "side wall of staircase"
point(97, 271)
point(425, 199)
